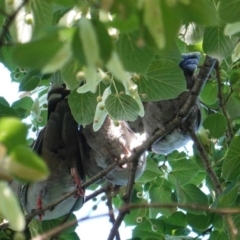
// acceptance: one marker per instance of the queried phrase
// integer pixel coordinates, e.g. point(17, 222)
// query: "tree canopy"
point(114, 55)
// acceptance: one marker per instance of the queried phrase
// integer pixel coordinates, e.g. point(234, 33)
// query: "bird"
point(159, 113)
point(110, 144)
point(58, 144)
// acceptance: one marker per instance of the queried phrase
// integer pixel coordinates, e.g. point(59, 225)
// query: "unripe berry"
point(99, 98)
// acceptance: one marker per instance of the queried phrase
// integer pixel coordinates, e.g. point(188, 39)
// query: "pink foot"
point(39, 205)
point(80, 191)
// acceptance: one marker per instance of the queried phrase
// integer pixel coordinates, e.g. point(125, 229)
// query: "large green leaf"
point(23, 106)
point(26, 165)
point(122, 107)
point(151, 172)
point(134, 58)
point(199, 222)
point(215, 235)
point(29, 82)
point(217, 45)
point(182, 171)
point(231, 164)
point(195, 11)
point(164, 80)
point(101, 39)
point(216, 123)
point(149, 229)
point(6, 111)
point(12, 132)
point(232, 105)
point(69, 74)
point(161, 194)
point(37, 54)
point(191, 194)
point(83, 106)
point(229, 10)
point(43, 15)
point(209, 93)
point(2, 8)
point(10, 209)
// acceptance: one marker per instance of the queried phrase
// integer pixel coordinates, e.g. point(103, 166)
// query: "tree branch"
point(110, 209)
point(222, 104)
point(9, 21)
point(57, 230)
point(206, 162)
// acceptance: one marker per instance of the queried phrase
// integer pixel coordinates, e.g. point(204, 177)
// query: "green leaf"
point(232, 13)
point(37, 54)
point(217, 45)
point(164, 80)
point(23, 106)
point(232, 105)
point(151, 172)
point(218, 222)
point(83, 106)
point(26, 165)
point(12, 132)
point(104, 40)
point(177, 219)
point(10, 208)
point(134, 58)
point(182, 171)
point(69, 74)
point(29, 83)
point(98, 39)
point(199, 222)
point(149, 229)
point(229, 196)
point(231, 164)
point(126, 25)
point(35, 227)
point(4, 102)
point(6, 111)
point(153, 20)
point(232, 28)
point(2, 17)
point(132, 219)
point(25, 103)
point(215, 235)
point(161, 194)
point(190, 194)
point(195, 11)
point(43, 15)
point(122, 107)
point(209, 93)
point(216, 124)
point(6, 57)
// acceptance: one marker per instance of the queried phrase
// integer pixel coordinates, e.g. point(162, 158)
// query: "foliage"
point(127, 52)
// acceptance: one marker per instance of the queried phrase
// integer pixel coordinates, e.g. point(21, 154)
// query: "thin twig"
point(206, 162)
point(233, 231)
point(9, 21)
point(110, 208)
point(95, 194)
point(222, 104)
point(126, 200)
point(56, 231)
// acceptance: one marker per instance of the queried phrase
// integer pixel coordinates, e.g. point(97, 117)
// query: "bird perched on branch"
point(159, 113)
point(111, 143)
point(58, 145)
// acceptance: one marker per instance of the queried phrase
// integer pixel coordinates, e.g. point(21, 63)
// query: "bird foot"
point(39, 205)
point(80, 191)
